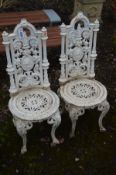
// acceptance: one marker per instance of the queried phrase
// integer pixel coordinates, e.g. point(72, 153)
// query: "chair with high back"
point(27, 65)
point(78, 88)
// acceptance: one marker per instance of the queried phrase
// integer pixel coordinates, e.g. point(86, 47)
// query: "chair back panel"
point(79, 47)
point(27, 55)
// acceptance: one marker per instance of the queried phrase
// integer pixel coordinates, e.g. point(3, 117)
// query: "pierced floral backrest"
point(78, 48)
point(26, 56)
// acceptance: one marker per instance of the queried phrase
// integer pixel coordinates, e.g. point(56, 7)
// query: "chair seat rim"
point(83, 103)
point(16, 112)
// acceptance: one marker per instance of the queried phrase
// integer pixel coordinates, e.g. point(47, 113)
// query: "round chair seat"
point(83, 92)
point(34, 104)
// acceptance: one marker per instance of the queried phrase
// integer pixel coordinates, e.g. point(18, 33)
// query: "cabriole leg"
point(22, 127)
point(55, 121)
point(104, 108)
point(62, 103)
point(74, 113)
point(74, 122)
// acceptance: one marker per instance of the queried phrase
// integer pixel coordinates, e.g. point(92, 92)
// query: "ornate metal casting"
point(78, 53)
point(31, 98)
point(26, 64)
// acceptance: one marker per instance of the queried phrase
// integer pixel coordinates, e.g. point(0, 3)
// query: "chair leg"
point(62, 103)
point(72, 132)
point(104, 108)
point(74, 113)
point(55, 120)
point(22, 127)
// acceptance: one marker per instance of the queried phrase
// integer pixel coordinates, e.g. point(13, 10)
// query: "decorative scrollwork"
point(85, 34)
point(26, 57)
point(27, 65)
point(78, 49)
point(22, 126)
point(28, 78)
point(34, 102)
point(55, 119)
point(74, 111)
point(83, 90)
point(103, 106)
point(79, 39)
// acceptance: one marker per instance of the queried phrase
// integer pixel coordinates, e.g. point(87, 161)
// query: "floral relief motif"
point(26, 58)
point(34, 102)
point(78, 50)
point(83, 90)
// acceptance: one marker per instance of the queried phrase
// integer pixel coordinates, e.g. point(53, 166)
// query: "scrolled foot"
point(54, 142)
point(104, 108)
point(23, 150)
point(102, 129)
point(71, 135)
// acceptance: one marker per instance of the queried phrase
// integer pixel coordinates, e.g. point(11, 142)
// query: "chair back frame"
point(78, 48)
point(26, 52)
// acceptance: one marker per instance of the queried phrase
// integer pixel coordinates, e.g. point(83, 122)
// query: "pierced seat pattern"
point(78, 88)
point(84, 92)
point(34, 104)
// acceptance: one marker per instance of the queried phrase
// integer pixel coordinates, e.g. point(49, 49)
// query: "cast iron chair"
point(31, 98)
point(78, 88)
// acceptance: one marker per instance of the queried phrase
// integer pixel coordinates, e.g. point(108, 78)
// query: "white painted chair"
point(31, 98)
point(78, 88)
